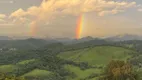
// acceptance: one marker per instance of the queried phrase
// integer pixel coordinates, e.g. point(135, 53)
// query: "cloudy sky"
point(58, 18)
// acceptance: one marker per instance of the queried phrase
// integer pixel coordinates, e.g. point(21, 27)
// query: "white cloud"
point(6, 24)
point(4, 21)
point(73, 7)
point(5, 1)
point(19, 13)
point(2, 16)
point(140, 10)
point(11, 2)
point(1, 20)
point(102, 13)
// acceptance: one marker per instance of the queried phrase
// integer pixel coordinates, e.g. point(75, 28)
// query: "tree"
point(119, 70)
point(9, 77)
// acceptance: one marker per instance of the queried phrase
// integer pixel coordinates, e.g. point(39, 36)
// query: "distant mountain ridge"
point(74, 41)
point(32, 43)
point(5, 38)
point(125, 37)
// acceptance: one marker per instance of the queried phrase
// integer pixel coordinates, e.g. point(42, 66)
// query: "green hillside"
point(26, 62)
point(68, 64)
point(37, 73)
point(100, 55)
point(7, 68)
point(81, 74)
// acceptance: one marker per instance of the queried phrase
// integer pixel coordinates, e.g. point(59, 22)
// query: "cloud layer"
point(2, 16)
point(139, 8)
point(50, 8)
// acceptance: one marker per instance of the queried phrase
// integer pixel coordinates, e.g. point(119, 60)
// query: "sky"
point(59, 18)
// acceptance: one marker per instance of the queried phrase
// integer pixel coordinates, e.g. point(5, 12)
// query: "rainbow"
point(33, 30)
point(79, 26)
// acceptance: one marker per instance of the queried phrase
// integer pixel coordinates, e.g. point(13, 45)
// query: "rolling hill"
point(80, 61)
point(100, 55)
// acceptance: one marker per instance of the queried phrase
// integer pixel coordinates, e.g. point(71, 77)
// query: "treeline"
point(10, 77)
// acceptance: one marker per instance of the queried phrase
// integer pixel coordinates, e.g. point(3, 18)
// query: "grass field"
point(81, 74)
point(12, 67)
point(26, 61)
point(100, 55)
point(37, 73)
point(7, 68)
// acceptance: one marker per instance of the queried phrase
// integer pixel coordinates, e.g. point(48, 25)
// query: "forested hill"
point(30, 43)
